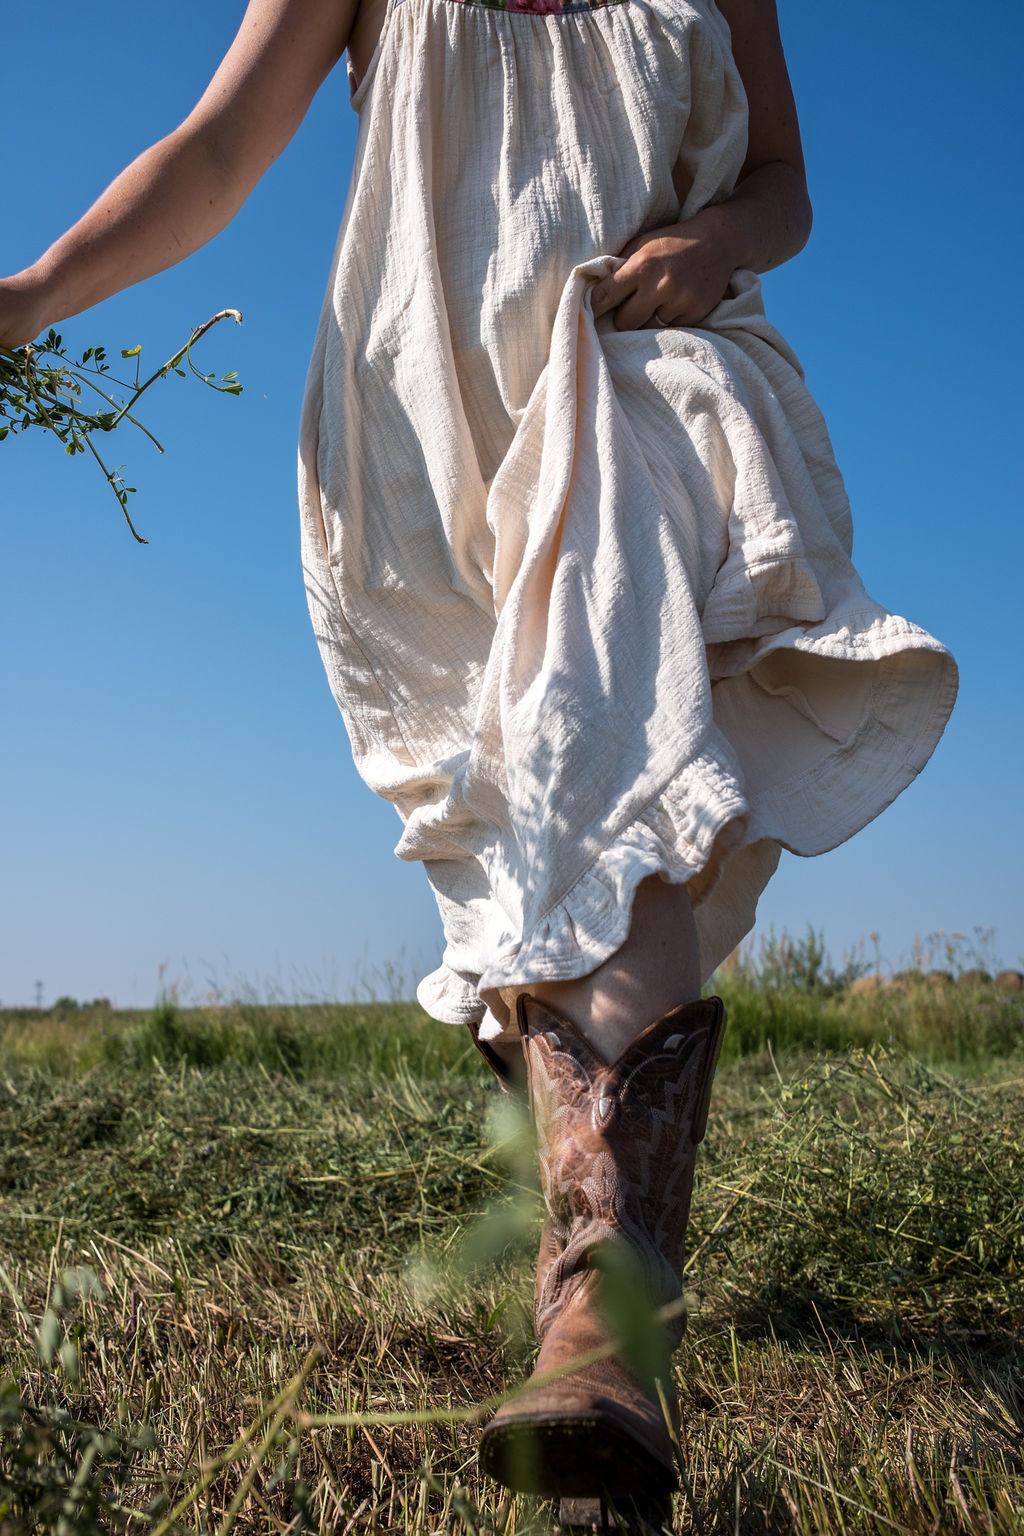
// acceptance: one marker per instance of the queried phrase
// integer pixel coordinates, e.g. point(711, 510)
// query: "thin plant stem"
point(225, 1459)
point(49, 395)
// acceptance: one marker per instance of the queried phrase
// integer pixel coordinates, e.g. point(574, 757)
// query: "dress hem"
point(684, 840)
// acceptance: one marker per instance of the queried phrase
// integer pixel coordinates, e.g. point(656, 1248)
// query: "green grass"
point(310, 1040)
point(962, 1027)
point(238, 1194)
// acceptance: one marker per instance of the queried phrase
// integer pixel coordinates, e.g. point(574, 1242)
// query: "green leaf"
point(69, 1361)
point(54, 401)
point(48, 1336)
point(83, 1282)
point(625, 1302)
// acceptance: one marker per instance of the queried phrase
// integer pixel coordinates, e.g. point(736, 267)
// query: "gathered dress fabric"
point(584, 597)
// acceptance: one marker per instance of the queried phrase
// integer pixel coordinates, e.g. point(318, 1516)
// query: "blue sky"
point(178, 803)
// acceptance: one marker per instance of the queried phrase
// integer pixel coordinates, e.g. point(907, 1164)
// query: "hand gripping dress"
point(584, 597)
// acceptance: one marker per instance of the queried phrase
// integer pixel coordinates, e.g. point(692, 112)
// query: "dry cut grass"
point(223, 1284)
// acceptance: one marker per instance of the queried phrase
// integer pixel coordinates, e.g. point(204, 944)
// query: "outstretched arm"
point(183, 190)
point(683, 270)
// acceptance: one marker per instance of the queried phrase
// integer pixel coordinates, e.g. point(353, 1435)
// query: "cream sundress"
point(584, 596)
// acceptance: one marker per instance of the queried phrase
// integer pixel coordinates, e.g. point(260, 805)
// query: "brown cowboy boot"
point(617, 1146)
point(507, 1064)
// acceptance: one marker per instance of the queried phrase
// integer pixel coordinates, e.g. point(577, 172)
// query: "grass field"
point(238, 1243)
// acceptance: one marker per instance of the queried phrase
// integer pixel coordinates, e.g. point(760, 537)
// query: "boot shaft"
point(617, 1144)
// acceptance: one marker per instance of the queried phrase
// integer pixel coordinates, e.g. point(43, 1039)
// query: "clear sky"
point(178, 802)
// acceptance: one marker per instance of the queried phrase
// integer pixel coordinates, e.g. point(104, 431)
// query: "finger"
point(634, 245)
point(636, 312)
point(639, 241)
point(611, 291)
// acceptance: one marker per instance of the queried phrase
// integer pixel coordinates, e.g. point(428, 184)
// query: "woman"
point(577, 557)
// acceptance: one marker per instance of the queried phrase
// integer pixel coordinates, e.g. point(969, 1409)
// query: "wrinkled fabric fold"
point(585, 597)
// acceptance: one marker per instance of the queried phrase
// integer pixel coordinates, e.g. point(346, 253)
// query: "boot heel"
point(627, 1517)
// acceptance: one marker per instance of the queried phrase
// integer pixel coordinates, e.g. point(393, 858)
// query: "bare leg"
point(656, 970)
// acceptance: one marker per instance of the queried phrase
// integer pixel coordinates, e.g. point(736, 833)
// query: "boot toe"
point(578, 1450)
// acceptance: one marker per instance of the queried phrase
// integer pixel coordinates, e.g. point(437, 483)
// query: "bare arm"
point(181, 192)
point(682, 271)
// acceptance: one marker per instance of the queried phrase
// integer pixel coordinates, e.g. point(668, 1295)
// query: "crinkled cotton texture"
point(584, 597)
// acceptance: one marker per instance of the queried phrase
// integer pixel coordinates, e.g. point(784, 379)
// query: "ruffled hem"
point(682, 836)
point(450, 998)
point(723, 836)
point(675, 837)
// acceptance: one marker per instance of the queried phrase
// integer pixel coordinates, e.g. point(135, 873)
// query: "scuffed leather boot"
point(617, 1146)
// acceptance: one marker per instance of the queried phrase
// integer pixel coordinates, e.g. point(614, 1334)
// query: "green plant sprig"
point(35, 392)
